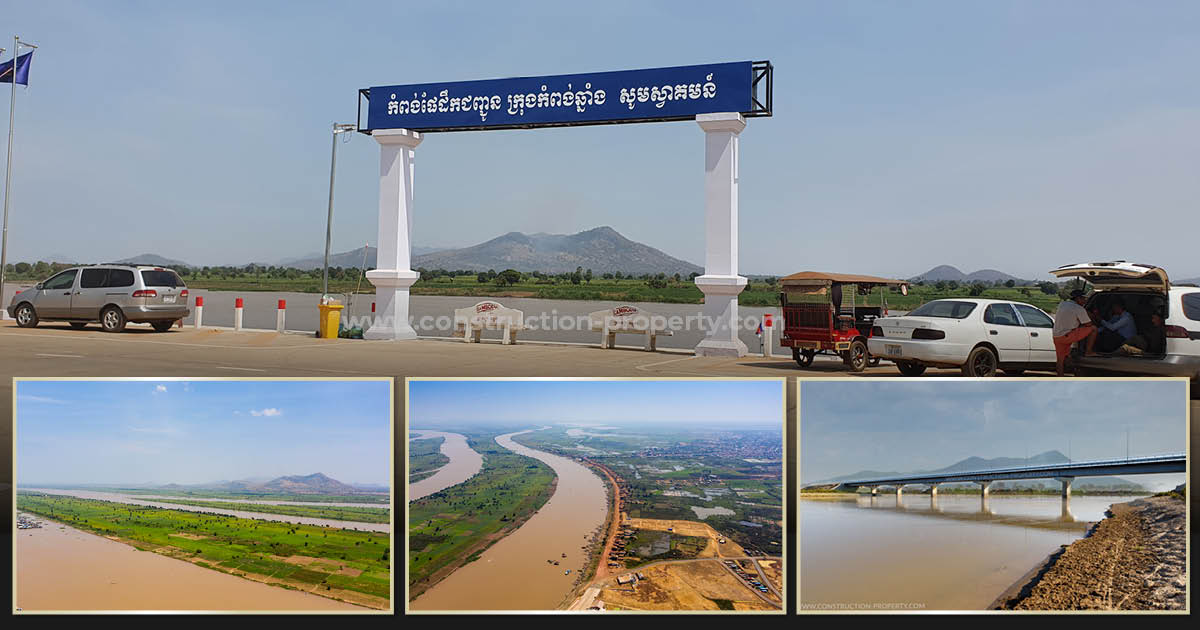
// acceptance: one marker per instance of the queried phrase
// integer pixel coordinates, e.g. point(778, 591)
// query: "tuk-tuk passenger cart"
point(831, 313)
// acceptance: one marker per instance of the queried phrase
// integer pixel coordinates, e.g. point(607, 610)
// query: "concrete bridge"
point(1064, 473)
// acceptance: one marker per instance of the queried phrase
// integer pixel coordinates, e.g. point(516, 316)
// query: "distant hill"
point(601, 249)
point(316, 483)
point(151, 259)
point(352, 259)
point(948, 273)
point(979, 463)
point(1195, 281)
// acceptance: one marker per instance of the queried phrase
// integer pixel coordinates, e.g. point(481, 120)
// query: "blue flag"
point(22, 74)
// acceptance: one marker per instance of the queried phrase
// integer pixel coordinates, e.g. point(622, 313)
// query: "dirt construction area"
point(693, 528)
point(1133, 560)
point(690, 585)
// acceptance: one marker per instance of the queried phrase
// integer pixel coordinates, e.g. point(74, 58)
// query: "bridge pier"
point(985, 487)
point(1066, 487)
point(933, 487)
point(899, 490)
point(874, 491)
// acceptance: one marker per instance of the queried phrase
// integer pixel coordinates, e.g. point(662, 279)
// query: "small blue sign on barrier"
point(627, 96)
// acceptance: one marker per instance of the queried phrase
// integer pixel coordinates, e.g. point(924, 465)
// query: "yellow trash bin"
point(331, 316)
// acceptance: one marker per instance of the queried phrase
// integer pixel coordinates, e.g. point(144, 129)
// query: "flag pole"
point(12, 110)
point(12, 106)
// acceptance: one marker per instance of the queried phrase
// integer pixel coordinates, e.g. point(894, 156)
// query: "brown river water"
point(262, 516)
point(955, 553)
point(463, 465)
point(62, 568)
point(514, 573)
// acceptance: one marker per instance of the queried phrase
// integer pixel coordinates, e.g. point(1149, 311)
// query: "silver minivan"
point(110, 294)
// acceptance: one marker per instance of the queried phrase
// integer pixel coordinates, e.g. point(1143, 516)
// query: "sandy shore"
point(1133, 560)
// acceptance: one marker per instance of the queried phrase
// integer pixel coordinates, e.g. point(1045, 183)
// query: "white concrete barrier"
point(237, 314)
point(199, 311)
point(470, 322)
point(628, 319)
point(279, 314)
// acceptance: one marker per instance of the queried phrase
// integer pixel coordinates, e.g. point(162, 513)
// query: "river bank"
point(536, 566)
point(1135, 559)
point(63, 568)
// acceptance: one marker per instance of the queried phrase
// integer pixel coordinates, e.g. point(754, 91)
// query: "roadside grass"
point(447, 528)
point(228, 543)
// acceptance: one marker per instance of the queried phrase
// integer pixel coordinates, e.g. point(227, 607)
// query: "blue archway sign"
point(627, 96)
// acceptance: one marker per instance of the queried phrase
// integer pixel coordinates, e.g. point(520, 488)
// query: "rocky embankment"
point(1133, 560)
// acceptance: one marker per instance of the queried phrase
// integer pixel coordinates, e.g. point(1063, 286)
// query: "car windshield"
point(161, 278)
point(952, 309)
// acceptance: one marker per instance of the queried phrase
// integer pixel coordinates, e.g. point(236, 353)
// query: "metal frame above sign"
point(602, 98)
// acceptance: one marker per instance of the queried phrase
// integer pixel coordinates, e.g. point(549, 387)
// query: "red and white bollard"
point(281, 309)
point(768, 339)
point(199, 310)
point(237, 314)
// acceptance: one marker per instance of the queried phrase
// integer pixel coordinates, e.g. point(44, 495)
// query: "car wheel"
point(112, 319)
point(858, 356)
point(26, 316)
point(804, 358)
point(162, 326)
point(874, 362)
point(1013, 371)
point(981, 362)
point(909, 368)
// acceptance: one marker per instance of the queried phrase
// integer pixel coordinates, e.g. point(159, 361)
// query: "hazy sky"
point(201, 431)
point(1016, 135)
point(724, 404)
point(900, 427)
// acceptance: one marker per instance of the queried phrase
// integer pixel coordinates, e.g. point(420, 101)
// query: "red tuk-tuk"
point(831, 313)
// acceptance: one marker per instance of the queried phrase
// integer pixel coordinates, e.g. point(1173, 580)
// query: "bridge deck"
point(1158, 464)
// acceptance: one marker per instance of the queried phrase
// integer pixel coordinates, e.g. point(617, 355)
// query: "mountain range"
point(316, 483)
point(948, 273)
point(979, 463)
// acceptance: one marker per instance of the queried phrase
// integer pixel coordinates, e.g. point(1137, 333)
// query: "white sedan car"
point(980, 336)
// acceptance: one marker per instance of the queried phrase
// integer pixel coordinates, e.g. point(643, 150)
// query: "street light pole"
point(337, 129)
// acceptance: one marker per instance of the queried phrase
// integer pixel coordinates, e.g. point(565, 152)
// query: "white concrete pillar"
point(199, 311)
point(899, 490)
point(985, 487)
point(392, 275)
point(237, 314)
point(280, 313)
point(1066, 487)
point(721, 283)
point(933, 490)
point(874, 491)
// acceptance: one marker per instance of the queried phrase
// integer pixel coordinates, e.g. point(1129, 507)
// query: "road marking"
point(67, 356)
point(228, 367)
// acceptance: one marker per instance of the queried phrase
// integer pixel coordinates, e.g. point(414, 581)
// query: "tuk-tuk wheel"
point(857, 358)
point(804, 358)
point(874, 362)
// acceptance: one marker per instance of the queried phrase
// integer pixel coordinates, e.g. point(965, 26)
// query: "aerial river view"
point(514, 574)
point(954, 552)
point(63, 568)
point(464, 463)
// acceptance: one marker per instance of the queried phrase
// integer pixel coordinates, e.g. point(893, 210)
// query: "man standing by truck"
point(1072, 324)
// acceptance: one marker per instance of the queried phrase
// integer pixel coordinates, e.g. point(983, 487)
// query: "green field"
point(360, 514)
point(235, 545)
point(449, 528)
point(425, 457)
point(660, 288)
